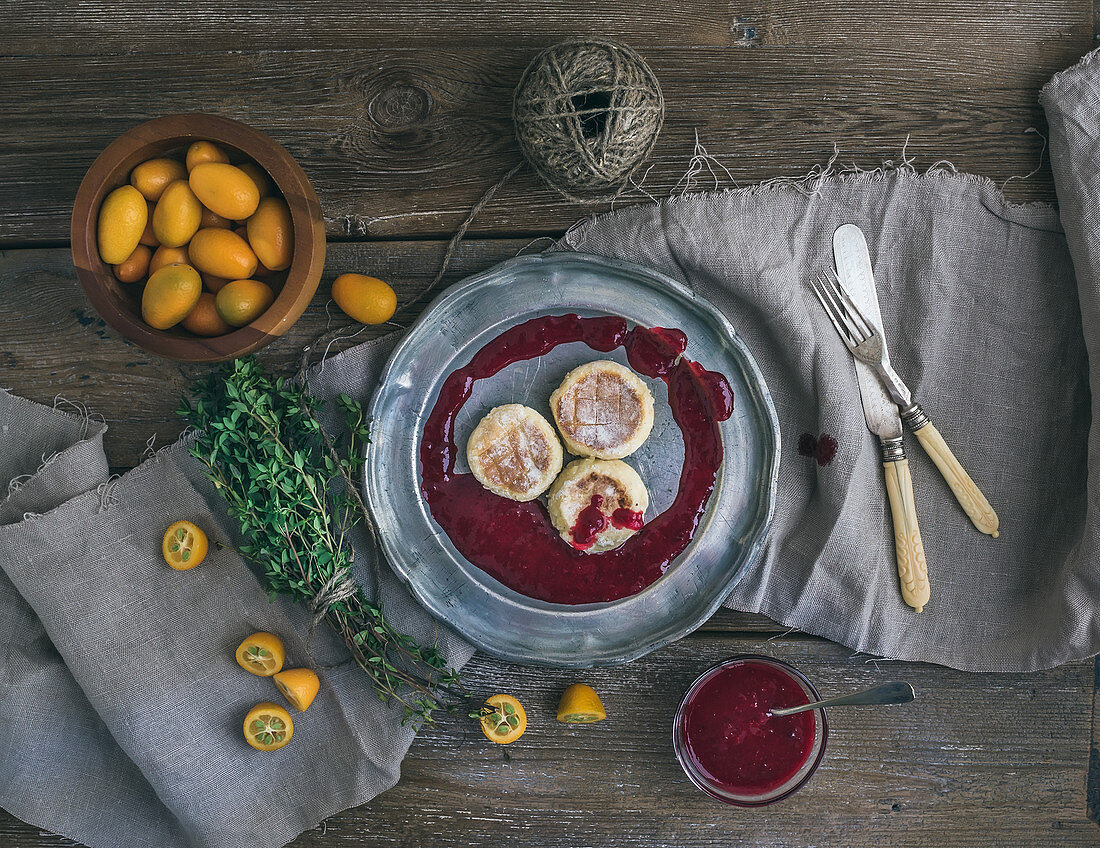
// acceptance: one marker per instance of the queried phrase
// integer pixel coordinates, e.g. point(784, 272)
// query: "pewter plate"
point(458, 323)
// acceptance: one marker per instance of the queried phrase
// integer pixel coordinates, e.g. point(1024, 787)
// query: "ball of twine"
point(587, 113)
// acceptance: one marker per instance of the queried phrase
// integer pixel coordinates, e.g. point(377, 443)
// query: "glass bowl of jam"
point(732, 748)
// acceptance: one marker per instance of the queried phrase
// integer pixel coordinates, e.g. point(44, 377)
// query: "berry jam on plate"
point(733, 748)
point(514, 541)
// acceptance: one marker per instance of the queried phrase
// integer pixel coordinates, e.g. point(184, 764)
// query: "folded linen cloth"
point(983, 312)
point(120, 703)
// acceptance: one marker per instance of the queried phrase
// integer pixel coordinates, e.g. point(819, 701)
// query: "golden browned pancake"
point(616, 486)
point(603, 409)
point(514, 452)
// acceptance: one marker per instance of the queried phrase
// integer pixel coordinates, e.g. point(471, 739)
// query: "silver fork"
point(864, 340)
point(860, 336)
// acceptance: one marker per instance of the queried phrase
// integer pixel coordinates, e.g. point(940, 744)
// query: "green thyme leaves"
point(294, 492)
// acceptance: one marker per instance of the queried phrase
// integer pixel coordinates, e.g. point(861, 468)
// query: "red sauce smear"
point(732, 739)
point(627, 519)
point(515, 542)
point(591, 522)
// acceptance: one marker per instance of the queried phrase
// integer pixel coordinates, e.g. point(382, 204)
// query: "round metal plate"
point(496, 619)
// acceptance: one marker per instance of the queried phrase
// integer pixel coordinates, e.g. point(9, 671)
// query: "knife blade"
point(853, 266)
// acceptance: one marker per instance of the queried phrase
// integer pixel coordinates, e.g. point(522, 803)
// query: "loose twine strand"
point(552, 125)
point(586, 114)
point(452, 245)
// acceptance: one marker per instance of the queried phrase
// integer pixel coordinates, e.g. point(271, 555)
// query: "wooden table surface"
point(399, 113)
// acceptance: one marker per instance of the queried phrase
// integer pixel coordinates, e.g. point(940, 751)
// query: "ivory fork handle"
point(966, 491)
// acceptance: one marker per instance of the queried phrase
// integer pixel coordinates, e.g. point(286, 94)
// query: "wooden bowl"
point(119, 304)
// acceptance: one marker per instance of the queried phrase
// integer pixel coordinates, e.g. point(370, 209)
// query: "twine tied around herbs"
point(586, 114)
point(339, 587)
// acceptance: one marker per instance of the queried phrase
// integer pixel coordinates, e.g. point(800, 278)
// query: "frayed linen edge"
point(1073, 75)
point(812, 183)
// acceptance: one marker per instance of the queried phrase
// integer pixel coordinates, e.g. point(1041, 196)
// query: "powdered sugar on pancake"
point(603, 409)
point(514, 452)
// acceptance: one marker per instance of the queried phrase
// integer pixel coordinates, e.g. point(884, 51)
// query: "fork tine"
point(854, 312)
point(840, 312)
point(860, 329)
point(830, 310)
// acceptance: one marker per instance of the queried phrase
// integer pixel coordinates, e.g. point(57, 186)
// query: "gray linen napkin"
point(980, 306)
point(120, 701)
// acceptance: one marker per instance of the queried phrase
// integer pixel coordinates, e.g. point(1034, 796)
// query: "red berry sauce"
point(627, 519)
point(732, 740)
point(591, 522)
point(515, 542)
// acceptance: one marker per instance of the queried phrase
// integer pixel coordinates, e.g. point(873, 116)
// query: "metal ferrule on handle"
point(893, 450)
point(913, 416)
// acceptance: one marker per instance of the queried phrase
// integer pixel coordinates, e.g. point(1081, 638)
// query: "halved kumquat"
point(299, 686)
point(268, 727)
point(503, 719)
point(580, 704)
point(184, 545)
point(262, 654)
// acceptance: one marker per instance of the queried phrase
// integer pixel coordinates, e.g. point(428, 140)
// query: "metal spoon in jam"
point(886, 693)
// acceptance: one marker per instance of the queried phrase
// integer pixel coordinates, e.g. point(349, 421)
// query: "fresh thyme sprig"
point(293, 489)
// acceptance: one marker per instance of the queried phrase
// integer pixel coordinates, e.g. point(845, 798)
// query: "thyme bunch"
point(294, 491)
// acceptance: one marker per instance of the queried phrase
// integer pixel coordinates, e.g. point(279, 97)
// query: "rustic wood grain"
point(401, 140)
point(977, 760)
point(1092, 781)
point(53, 343)
point(120, 26)
point(399, 114)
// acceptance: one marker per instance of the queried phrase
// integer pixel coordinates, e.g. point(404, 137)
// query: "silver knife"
point(850, 248)
point(853, 266)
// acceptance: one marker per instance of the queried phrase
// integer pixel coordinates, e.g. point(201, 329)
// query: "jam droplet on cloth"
point(822, 448)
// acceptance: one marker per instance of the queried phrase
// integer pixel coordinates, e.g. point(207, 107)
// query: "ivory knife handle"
point(966, 492)
point(912, 568)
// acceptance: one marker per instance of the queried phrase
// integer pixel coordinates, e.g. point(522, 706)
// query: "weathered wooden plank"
point(976, 760)
point(976, 756)
point(402, 140)
point(82, 27)
point(1092, 781)
point(52, 343)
